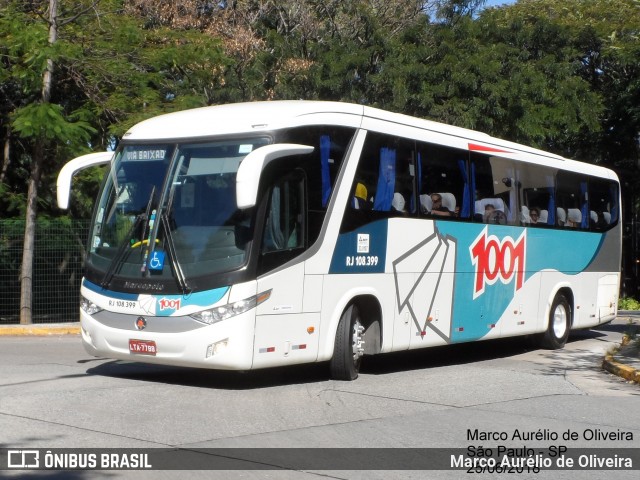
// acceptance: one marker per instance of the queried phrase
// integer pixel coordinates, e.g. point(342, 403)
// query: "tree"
point(604, 36)
point(43, 123)
point(516, 78)
point(79, 74)
point(294, 48)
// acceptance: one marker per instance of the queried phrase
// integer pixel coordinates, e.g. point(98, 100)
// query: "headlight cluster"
point(217, 314)
point(88, 306)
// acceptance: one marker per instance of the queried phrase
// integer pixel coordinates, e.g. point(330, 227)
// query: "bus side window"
point(497, 189)
point(603, 204)
point(283, 226)
point(384, 183)
point(284, 233)
point(572, 205)
point(536, 191)
point(442, 177)
point(321, 167)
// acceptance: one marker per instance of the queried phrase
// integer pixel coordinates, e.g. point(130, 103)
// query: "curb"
point(621, 370)
point(40, 329)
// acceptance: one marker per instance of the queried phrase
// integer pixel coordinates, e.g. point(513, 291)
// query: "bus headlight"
point(88, 306)
point(217, 314)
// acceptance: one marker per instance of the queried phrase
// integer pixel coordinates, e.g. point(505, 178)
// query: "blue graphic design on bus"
point(499, 261)
point(361, 251)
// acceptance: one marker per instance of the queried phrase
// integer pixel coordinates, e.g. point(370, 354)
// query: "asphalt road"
point(53, 395)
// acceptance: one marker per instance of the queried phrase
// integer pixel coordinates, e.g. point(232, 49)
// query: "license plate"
point(143, 347)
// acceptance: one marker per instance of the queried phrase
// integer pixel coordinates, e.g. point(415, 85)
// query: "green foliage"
point(86, 185)
point(58, 265)
point(47, 121)
point(514, 79)
point(11, 233)
point(628, 303)
point(604, 34)
point(13, 202)
point(564, 78)
point(24, 50)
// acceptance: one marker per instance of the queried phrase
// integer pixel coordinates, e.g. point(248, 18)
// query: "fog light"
point(87, 337)
point(216, 348)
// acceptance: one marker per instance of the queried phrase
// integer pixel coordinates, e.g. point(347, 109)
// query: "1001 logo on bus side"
point(496, 259)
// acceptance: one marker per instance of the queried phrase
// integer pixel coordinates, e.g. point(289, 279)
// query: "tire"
point(348, 348)
point(559, 323)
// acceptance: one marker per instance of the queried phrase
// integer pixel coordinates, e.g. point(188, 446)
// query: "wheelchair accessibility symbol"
point(156, 262)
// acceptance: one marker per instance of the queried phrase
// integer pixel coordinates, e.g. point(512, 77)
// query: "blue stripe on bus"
point(203, 299)
point(109, 293)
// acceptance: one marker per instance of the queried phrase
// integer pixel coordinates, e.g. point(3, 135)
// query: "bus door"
point(284, 333)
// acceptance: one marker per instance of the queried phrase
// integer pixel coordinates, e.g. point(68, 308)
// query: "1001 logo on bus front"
point(496, 259)
point(169, 304)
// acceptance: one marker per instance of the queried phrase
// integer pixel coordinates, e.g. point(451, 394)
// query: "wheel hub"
point(357, 341)
point(559, 321)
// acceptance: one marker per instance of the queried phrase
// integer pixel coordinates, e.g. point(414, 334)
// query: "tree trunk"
point(53, 37)
point(37, 160)
point(6, 156)
point(26, 274)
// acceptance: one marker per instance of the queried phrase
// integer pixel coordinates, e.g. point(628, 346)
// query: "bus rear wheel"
point(349, 346)
point(559, 323)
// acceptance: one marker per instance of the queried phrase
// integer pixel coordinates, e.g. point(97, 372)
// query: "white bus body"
point(263, 234)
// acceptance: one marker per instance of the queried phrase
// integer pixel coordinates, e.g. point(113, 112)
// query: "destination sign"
point(150, 153)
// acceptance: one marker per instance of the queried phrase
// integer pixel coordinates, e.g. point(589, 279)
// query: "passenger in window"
point(534, 215)
point(491, 215)
point(437, 208)
point(488, 211)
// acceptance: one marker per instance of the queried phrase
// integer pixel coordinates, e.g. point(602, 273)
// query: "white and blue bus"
point(256, 235)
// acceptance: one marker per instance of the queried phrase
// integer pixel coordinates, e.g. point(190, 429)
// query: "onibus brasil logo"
point(496, 259)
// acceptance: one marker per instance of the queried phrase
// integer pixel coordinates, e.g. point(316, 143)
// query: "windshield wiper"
point(144, 252)
point(173, 257)
point(122, 248)
point(117, 260)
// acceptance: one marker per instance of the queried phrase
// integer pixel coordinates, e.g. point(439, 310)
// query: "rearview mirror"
point(251, 167)
point(63, 184)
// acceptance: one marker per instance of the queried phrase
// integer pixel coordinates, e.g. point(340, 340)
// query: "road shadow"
point(434, 357)
point(610, 327)
point(214, 379)
point(462, 353)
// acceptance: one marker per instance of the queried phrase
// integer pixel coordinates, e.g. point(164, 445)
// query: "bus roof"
point(256, 117)
point(236, 118)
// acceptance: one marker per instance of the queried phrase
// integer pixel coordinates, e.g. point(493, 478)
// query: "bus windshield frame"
point(168, 213)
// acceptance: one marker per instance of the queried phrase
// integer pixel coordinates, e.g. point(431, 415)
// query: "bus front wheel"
point(559, 323)
point(348, 349)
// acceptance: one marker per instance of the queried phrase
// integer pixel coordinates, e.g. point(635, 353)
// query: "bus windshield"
point(169, 212)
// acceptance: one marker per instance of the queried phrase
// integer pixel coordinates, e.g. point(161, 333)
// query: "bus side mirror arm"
point(63, 184)
point(251, 167)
